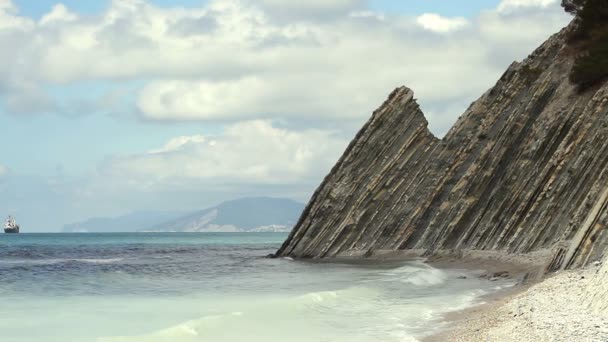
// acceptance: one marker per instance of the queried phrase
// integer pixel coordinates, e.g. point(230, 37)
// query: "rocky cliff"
point(524, 169)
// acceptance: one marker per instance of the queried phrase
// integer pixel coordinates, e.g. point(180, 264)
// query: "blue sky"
point(36, 8)
point(443, 7)
point(111, 107)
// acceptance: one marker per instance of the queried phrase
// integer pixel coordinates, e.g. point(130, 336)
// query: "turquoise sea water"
point(212, 287)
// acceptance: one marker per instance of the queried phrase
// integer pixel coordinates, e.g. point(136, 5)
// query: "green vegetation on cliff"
point(591, 67)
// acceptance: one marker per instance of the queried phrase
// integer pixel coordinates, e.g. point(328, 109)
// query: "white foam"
point(99, 261)
point(59, 261)
point(418, 274)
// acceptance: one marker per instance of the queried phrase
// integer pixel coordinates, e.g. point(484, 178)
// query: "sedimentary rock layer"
point(524, 169)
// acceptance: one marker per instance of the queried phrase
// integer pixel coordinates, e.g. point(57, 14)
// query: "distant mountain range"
point(259, 214)
point(127, 223)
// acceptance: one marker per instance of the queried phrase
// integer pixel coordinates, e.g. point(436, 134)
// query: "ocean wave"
point(417, 274)
point(193, 330)
point(299, 317)
point(99, 261)
point(332, 315)
point(331, 298)
point(59, 261)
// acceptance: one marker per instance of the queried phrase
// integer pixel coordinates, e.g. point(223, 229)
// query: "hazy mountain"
point(243, 215)
point(128, 223)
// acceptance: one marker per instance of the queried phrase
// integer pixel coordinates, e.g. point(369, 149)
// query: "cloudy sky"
point(112, 106)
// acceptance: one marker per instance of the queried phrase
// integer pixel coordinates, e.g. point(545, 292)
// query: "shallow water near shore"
point(213, 287)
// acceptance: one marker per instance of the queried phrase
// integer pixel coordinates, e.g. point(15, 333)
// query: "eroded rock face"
point(524, 169)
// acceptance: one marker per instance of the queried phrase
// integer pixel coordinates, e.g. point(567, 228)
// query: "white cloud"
point(316, 5)
point(498, 28)
point(9, 20)
point(437, 23)
point(203, 100)
point(286, 96)
point(506, 5)
point(246, 154)
point(236, 60)
point(179, 143)
point(58, 13)
point(314, 10)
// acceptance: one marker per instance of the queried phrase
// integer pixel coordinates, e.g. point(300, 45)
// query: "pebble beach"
point(567, 306)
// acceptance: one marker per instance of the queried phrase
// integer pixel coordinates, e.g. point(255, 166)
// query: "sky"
point(114, 106)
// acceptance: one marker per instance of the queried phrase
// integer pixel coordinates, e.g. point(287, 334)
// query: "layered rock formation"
point(524, 169)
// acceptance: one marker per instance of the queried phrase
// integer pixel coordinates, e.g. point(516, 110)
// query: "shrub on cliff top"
point(591, 67)
point(593, 17)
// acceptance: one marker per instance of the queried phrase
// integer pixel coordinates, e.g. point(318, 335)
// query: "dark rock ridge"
point(524, 169)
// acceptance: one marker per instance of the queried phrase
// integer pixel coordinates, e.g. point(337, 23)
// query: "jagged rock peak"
point(524, 170)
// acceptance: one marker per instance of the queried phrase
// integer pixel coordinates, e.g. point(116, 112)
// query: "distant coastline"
point(254, 214)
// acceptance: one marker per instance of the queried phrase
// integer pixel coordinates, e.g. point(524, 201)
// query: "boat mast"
point(10, 222)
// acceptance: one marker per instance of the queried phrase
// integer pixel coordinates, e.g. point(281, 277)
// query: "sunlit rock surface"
point(524, 169)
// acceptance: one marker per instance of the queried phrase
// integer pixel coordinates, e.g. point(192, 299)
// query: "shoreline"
point(554, 309)
point(539, 307)
point(525, 274)
point(456, 322)
point(524, 270)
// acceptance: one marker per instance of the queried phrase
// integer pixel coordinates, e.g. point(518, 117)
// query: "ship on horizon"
point(11, 226)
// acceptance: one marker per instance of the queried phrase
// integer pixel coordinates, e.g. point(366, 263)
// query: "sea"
point(174, 287)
